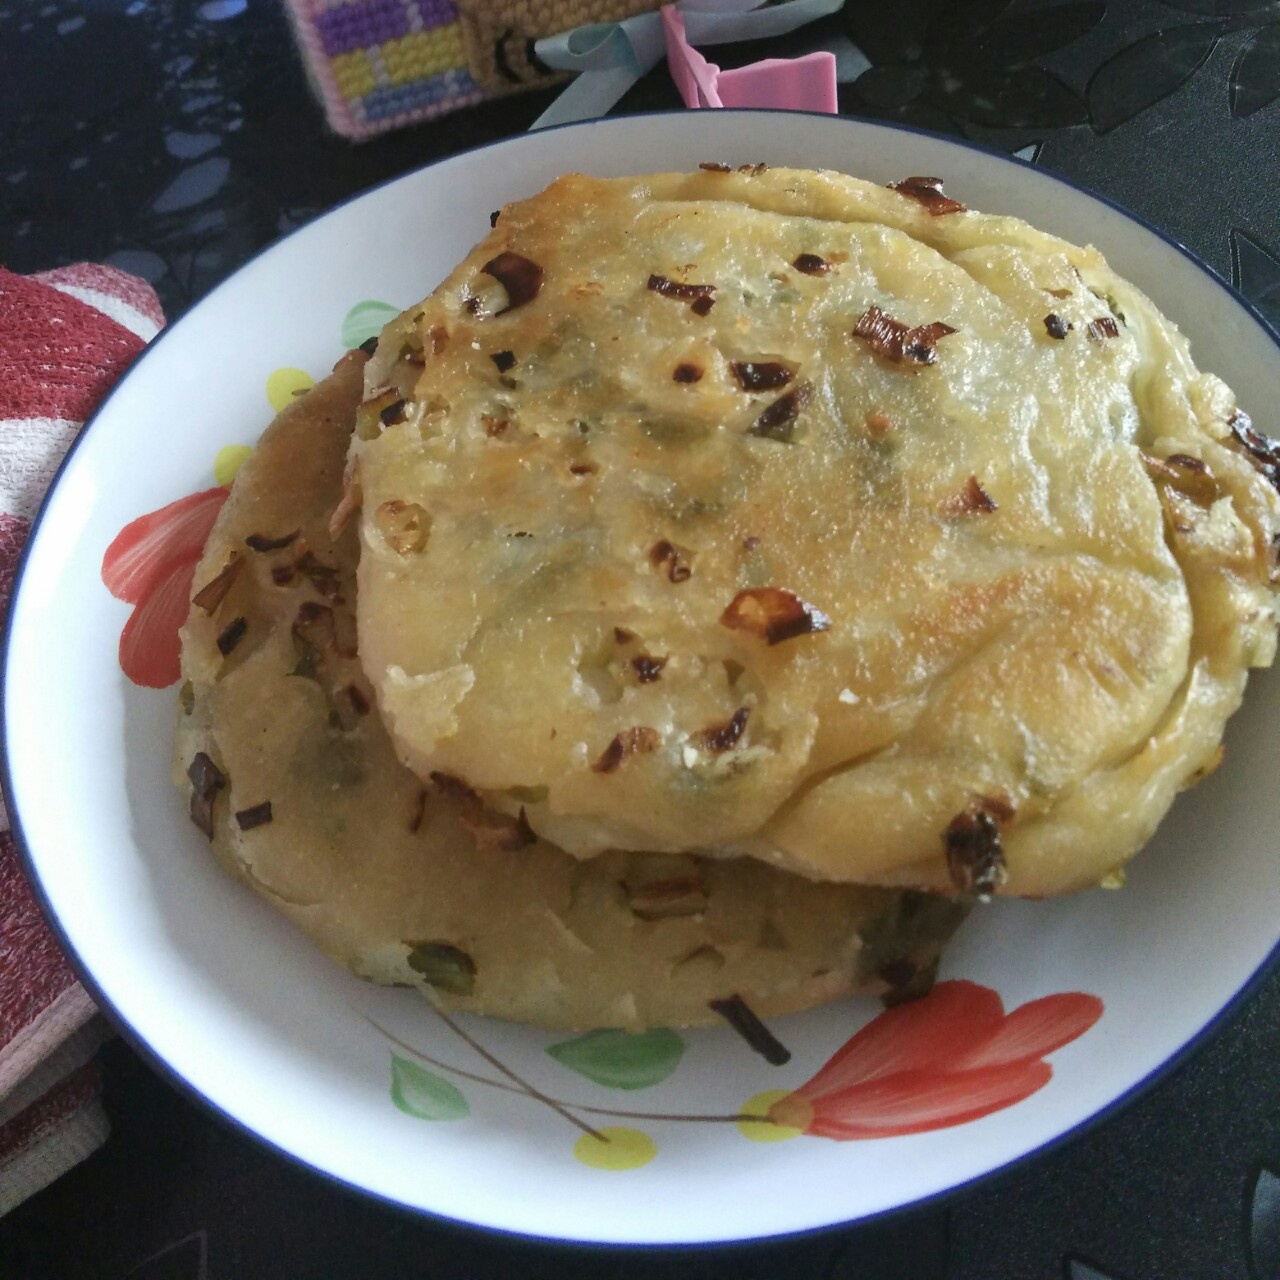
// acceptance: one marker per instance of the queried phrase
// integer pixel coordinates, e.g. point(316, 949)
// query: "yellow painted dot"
point(621, 1149)
point(284, 384)
point(762, 1130)
point(228, 462)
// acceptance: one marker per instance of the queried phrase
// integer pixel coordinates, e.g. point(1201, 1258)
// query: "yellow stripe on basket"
point(424, 53)
point(353, 73)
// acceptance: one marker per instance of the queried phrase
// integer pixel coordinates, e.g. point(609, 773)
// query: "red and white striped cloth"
point(65, 337)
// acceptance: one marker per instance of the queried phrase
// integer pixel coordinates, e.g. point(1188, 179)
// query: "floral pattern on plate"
point(946, 1059)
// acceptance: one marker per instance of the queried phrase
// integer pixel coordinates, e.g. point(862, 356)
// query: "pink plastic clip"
point(791, 84)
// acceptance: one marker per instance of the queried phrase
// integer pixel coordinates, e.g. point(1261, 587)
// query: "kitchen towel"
point(65, 337)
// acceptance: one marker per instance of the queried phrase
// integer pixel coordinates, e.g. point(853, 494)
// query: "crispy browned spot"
point(711, 166)
point(521, 278)
point(623, 636)
point(762, 375)
point(975, 857)
point(702, 306)
point(687, 372)
point(504, 360)
point(774, 614)
point(214, 592)
point(1055, 325)
point(898, 342)
point(928, 191)
point(755, 170)
point(637, 739)
point(724, 737)
point(1102, 328)
point(879, 424)
point(583, 468)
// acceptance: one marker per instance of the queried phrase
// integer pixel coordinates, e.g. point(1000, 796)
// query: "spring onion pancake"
point(778, 514)
point(288, 770)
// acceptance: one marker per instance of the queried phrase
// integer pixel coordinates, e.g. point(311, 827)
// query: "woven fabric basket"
point(381, 64)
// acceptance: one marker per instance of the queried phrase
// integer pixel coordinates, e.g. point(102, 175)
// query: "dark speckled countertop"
point(175, 138)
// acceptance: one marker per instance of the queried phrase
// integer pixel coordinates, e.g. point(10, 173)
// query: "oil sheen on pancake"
point(780, 514)
point(285, 764)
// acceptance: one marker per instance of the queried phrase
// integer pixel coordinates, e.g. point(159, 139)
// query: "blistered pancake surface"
point(289, 771)
point(772, 513)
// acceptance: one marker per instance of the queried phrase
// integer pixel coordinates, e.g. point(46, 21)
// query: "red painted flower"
point(941, 1061)
point(151, 564)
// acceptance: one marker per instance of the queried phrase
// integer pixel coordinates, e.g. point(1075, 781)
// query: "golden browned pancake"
point(288, 768)
point(777, 513)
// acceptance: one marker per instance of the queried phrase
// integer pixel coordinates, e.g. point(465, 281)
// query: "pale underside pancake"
point(705, 555)
point(414, 884)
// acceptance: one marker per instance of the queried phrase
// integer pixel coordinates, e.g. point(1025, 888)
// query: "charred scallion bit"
point(975, 854)
point(737, 1013)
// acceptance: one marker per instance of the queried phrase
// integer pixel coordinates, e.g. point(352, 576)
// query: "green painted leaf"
point(365, 321)
point(418, 1092)
point(619, 1060)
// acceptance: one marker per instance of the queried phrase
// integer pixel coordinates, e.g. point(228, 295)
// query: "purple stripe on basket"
point(449, 86)
point(437, 13)
point(369, 22)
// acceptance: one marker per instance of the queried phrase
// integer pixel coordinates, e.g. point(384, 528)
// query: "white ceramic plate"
point(243, 1011)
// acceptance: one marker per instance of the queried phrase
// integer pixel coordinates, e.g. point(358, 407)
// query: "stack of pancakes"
point(716, 585)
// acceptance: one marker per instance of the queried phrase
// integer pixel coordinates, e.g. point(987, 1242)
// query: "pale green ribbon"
point(611, 56)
